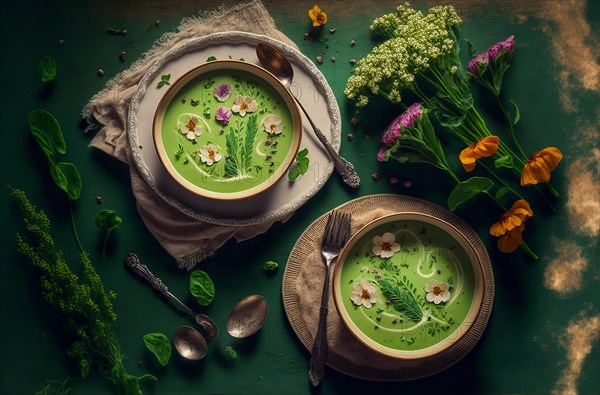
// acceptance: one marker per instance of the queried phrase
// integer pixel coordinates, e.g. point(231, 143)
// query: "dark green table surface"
point(541, 338)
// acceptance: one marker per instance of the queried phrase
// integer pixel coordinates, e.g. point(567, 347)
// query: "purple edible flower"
point(501, 47)
point(481, 60)
point(393, 131)
point(223, 114)
point(222, 92)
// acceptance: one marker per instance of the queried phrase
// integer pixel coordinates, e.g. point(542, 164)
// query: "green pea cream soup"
point(407, 285)
point(226, 131)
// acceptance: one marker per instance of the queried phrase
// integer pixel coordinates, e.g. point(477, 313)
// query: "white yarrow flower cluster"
point(416, 41)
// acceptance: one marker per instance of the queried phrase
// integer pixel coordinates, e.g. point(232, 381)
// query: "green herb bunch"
point(82, 301)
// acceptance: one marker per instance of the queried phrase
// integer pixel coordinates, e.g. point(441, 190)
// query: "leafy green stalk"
point(107, 220)
point(84, 305)
point(402, 297)
point(47, 132)
point(302, 163)
point(251, 130)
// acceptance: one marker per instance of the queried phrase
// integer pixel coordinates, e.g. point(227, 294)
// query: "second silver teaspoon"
point(274, 61)
point(208, 326)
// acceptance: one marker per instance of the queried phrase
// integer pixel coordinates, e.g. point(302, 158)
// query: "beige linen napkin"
point(187, 239)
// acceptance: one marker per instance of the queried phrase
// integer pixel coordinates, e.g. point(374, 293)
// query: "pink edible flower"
point(481, 60)
point(223, 114)
point(394, 130)
point(222, 92)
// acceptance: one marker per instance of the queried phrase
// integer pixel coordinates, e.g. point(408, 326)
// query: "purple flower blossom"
point(481, 60)
point(223, 114)
point(222, 92)
point(393, 131)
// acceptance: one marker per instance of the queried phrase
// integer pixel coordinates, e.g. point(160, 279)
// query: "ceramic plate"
point(408, 285)
point(227, 130)
point(283, 198)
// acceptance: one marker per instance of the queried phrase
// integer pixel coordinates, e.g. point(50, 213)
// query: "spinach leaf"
point(467, 189)
point(47, 132)
point(107, 220)
point(202, 287)
point(159, 345)
point(66, 176)
point(47, 68)
point(301, 167)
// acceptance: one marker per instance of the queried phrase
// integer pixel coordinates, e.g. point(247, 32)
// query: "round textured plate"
point(309, 86)
point(303, 283)
point(408, 285)
point(227, 130)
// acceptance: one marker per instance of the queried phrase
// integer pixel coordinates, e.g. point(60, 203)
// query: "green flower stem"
point(74, 227)
point(510, 124)
point(528, 250)
point(500, 180)
point(553, 191)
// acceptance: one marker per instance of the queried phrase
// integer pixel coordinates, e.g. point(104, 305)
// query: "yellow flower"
point(511, 225)
point(482, 148)
point(317, 16)
point(511, 240)
point(540, 165)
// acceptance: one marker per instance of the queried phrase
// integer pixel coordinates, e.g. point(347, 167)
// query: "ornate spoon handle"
point(342, 166)
point(133, 262)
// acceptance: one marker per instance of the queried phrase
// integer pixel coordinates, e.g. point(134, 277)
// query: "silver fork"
point(335, 236)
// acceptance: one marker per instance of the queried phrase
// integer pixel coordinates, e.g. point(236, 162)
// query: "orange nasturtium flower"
point(317, 16)
point(482, 148)
point(511, 225)
point(540, 165)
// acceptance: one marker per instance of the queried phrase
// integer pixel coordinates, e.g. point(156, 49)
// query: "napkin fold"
point(185, 238)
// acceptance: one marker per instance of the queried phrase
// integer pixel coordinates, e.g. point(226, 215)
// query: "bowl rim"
point(227, 64)
point(448, 341)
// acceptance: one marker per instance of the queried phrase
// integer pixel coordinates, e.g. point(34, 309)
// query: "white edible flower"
point(272, 124)
point(210, 154)
point(437, 292)
point(364, 293)
point(385, 245)
point(189, 124)
point(244, 104)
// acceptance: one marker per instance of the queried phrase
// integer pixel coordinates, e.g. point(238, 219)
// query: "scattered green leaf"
point(159, 345)
point(47, 69)
point(179, 152)
point(231, 352)
point(107, 220)
point(211, 58)
point(301, 167)
point(467, 189)
point(164, 80)
point(202, 287)
point(270, 266)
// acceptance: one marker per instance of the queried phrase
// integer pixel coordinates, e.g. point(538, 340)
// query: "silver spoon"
point(247, 317)
point(276, 62)
point(208, 326)
point(189, 343)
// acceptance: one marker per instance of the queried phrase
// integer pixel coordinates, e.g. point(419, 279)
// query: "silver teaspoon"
point(274, 61)
point(208, 326)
